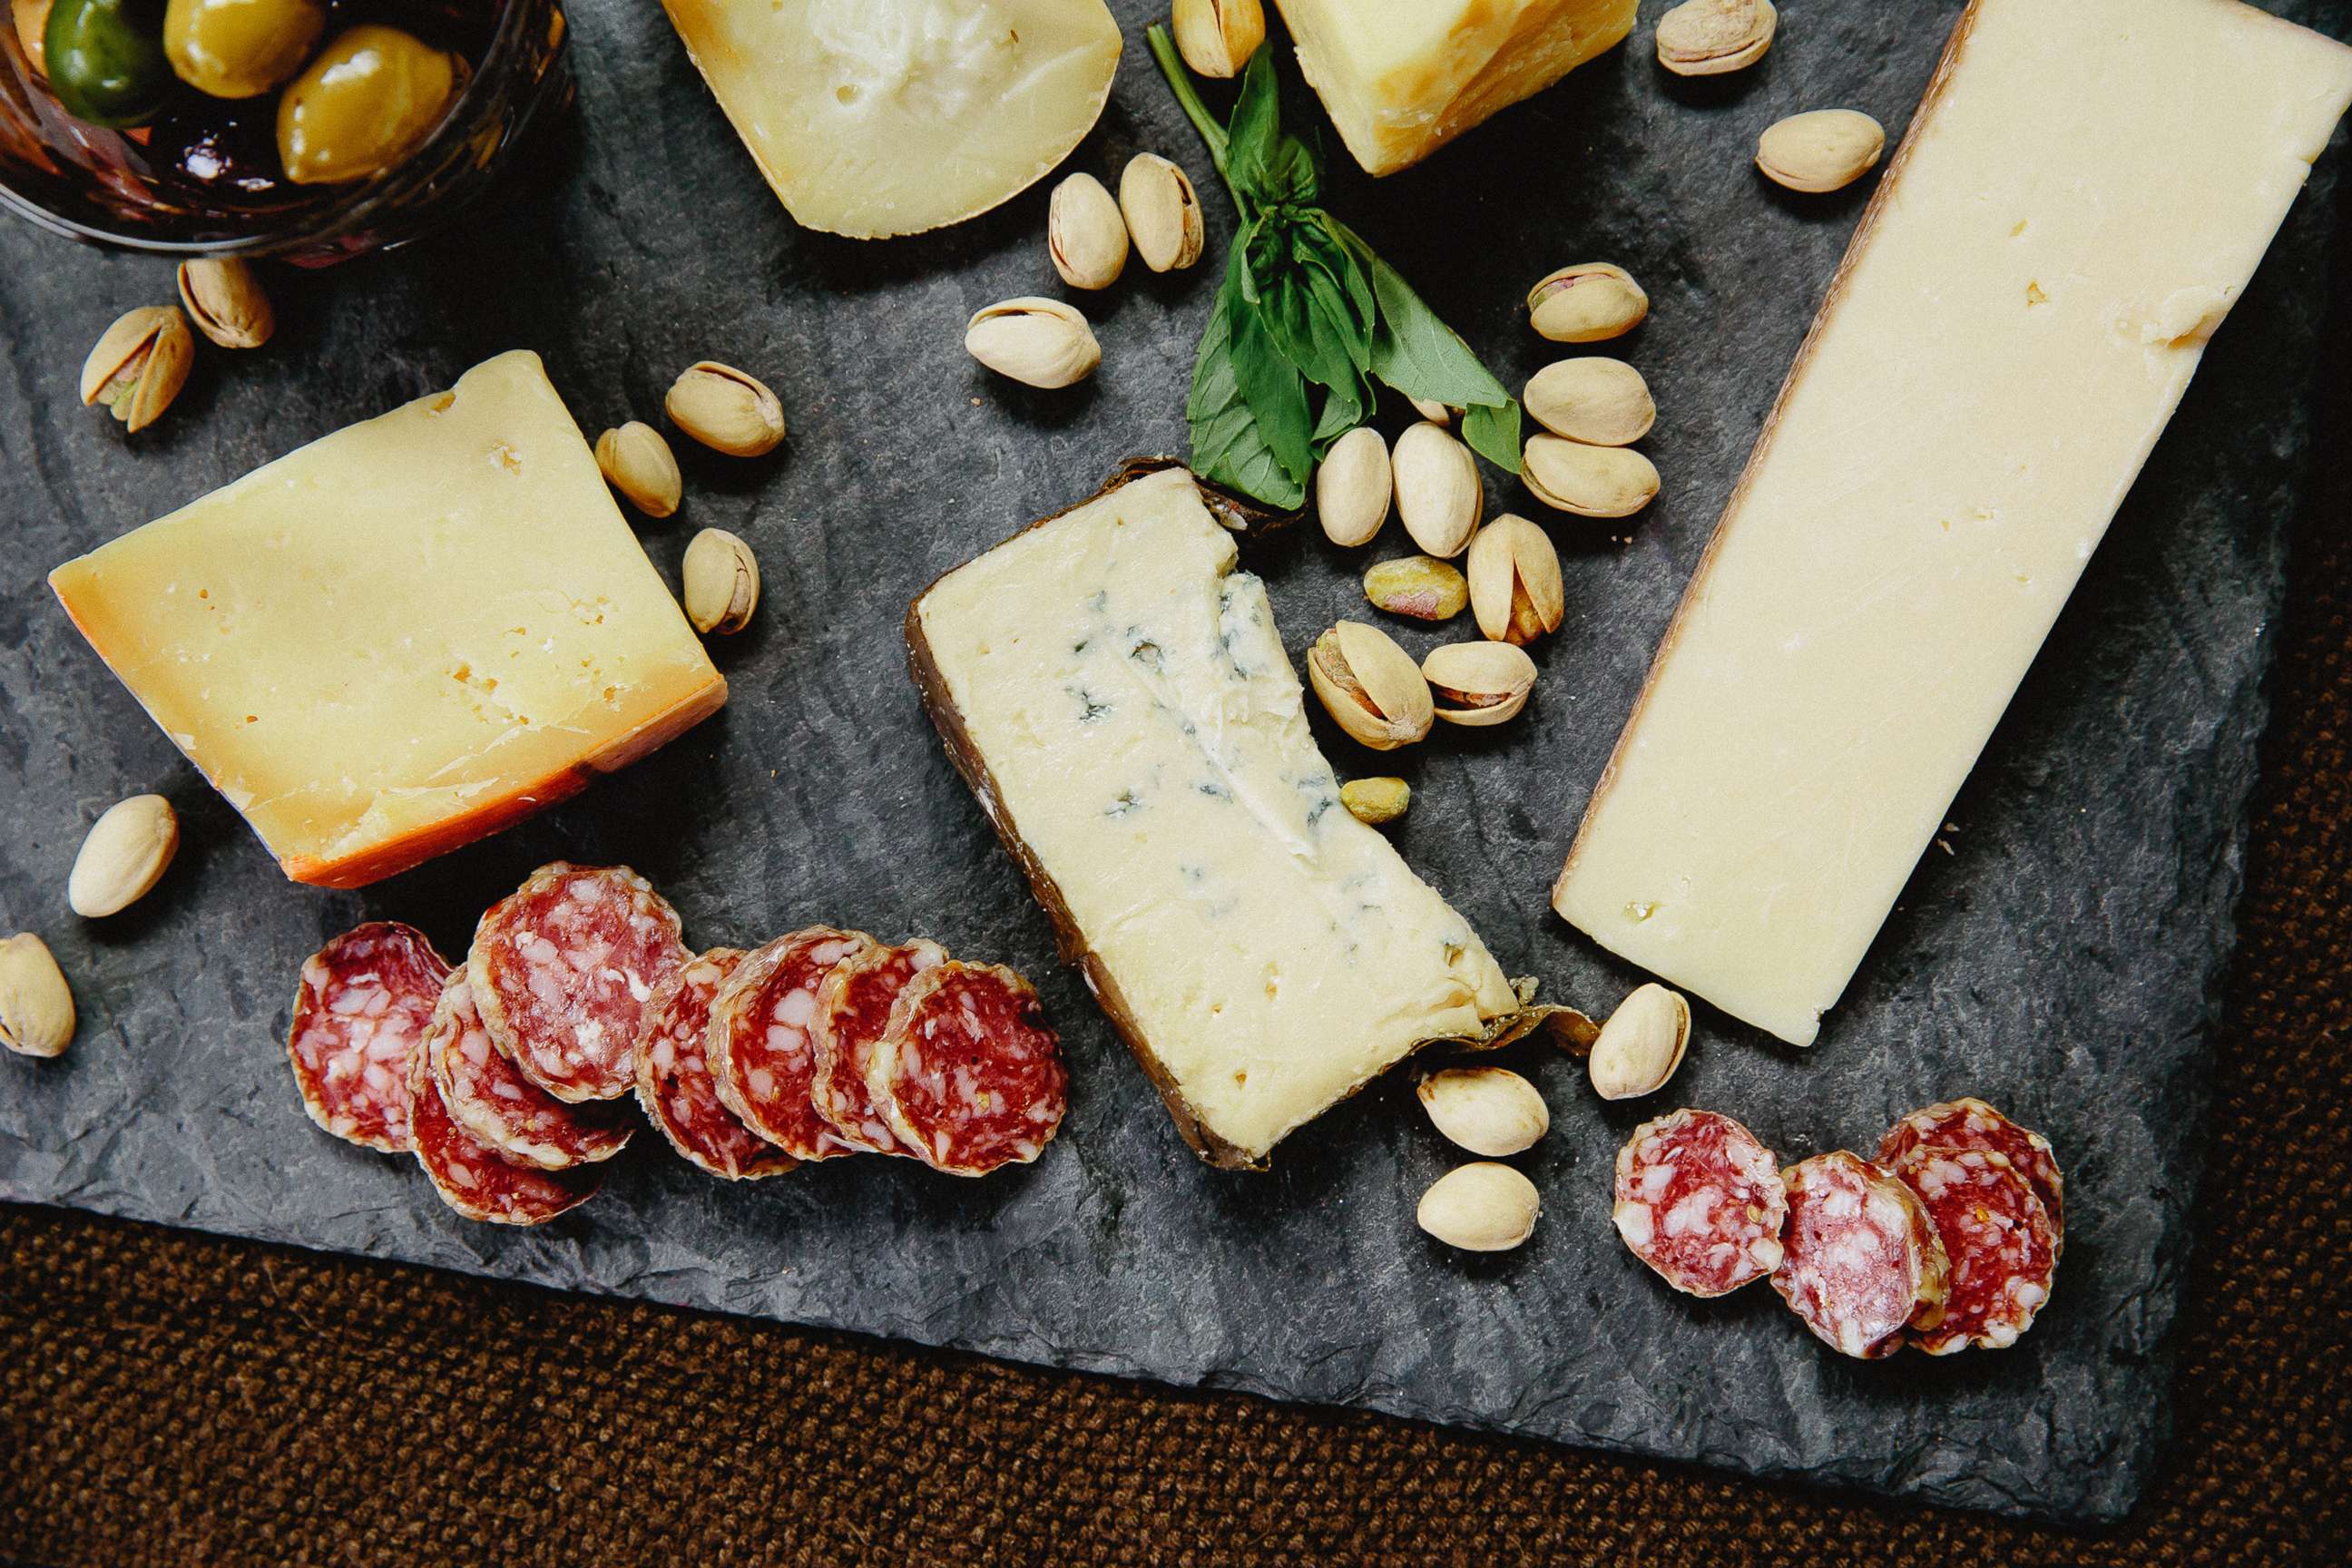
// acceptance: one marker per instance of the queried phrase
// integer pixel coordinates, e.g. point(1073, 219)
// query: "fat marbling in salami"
point(1700, 1200)
point(492, 1099)
point(364, 1003)
point(674, 1083)
point(2002, 1247)
point(1973, 1124)
point(969, 1075)
point(1861, 1260)
point(478, 1181)
point(852, 1014)
point(763, 1039)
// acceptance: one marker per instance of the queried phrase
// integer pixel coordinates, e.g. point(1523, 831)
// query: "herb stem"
point(1180, 82)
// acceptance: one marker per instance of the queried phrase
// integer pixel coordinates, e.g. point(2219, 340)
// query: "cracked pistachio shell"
point(37, 1005)
point(1040, 342)
point(1516, 591)
point(1713, 37)
point(1438, 497)
point(1217, 37)
point(721, 577)
point(1488, 1111)
point(1480, 1207)
point(124, 856)
point(140, 364)
point(1352, 486)
point(1370, 685)
point(1599, 400)
point(224, 299)
point(1591, 482)
point(1641, 1045)
point(1587, 303)
point(1376, 802)
point(1084, 233)
point(1164, 214)
point(1418, 586)
point(638, 463)
point(1475, 684)
point(1826, 149)
point(726, 409)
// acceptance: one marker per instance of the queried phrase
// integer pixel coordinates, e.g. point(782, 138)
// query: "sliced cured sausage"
point(1860, 1257)
point(1700, 1200)
point(762, 1040)
point(359, 1013)
point(852, 1014)
point(491, 1099)
point(1998, 1235)
point(477, 1181)
point(1973, 1124)
point(969, 1075)
point(674, 1083)
point(561, 971)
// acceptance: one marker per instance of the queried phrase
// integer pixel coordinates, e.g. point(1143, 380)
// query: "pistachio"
point(1370, 685)
point(1587, 303)
point(1598, 400)
point(140, 364)
point(37, 1005)
point(1438, 497)
point(1084, 233)
point(1641, 1045)
point(1515, 583)
point(1377, 802)
point(1475, 684)
point(226, 301)
point(1416, 586)
point(722, 582)
point(32, 32)
point(1488, 1111)
point(1711, 38)
point(1040, 342)
point(124, 856)
point(1217, 37)
point(1352, 487)
point(1429, 408)
point(1480, 1207)
point(1162, 212)
point(1591, 481)
point(638, 463)
point(726, 410)
point(1826, 149)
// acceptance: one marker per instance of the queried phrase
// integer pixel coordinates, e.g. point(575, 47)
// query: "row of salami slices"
point(1950, 1238)
point(508, 1075)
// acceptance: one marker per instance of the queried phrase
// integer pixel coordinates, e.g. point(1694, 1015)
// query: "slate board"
point(2062, 960)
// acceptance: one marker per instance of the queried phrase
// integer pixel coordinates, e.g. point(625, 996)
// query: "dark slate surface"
point(2062, 960)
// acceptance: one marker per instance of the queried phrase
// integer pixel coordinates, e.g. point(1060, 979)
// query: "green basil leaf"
point(1421, 356)
point(1253, 134)
point(1227, 449)
point(1493, 432)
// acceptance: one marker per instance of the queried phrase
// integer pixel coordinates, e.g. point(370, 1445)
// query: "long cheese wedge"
point(1117, 696)
point(2083, 193)
point(405, 635)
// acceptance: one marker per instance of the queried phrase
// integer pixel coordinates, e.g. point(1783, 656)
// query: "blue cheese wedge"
point(1116, 695)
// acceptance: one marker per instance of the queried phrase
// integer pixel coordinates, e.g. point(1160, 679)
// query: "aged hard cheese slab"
point(2082, 195)
point(1402, 78)
point(1118, 696)
point(405, 635)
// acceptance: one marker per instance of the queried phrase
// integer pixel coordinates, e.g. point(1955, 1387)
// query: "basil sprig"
point(1308, 317)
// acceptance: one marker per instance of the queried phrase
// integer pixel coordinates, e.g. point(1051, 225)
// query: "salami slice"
point(362, 1006)
point(561, 971)
point(1973, 1124)
point(969, 1075)
point(1861, 1259)
point(478, 1181)
point(1999, 1236)
point(852, 1014)
point(762, 1040)
point(674, 1081)
point(1700, 1200)
point(497, 1104)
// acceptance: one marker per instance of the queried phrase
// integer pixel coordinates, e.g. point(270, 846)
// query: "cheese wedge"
point(405, 635)
point(1402, 77)
point(1116, 695)
point(2086, 190)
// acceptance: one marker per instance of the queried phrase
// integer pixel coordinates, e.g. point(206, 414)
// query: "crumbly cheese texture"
point(1402, 78)
point(1130, 694)
point(2084, 194)
point(872, 118)
point(404, 635)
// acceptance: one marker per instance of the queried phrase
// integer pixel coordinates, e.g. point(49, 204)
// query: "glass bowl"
point(127, 188)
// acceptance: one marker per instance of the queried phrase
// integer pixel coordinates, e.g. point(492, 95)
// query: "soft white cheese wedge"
point(873, 118)
point(1119, 698)
point(2082, 195)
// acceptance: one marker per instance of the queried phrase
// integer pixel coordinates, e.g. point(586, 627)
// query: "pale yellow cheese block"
point(405, 635)
point(1402, 77)
point(873, 118)
point(2082, 195)
point(1118, 696)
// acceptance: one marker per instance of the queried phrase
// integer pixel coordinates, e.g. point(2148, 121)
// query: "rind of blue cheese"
point(1119, 696)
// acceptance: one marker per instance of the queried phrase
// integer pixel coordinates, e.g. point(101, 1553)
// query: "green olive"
point(240, 48)
point(362, 105)
point(105, 60)
point(32, 22)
